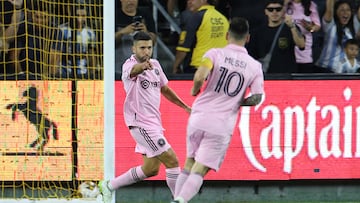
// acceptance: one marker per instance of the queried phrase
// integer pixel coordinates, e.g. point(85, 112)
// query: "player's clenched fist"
point(147, 65)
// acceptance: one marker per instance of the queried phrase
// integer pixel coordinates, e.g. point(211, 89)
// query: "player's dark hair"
point(239, 28)
point(141, 36)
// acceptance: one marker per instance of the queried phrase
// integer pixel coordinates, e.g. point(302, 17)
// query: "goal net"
point(52, 99)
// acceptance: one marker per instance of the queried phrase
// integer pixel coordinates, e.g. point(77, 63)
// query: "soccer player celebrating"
point(144, 82)
point(229, 71)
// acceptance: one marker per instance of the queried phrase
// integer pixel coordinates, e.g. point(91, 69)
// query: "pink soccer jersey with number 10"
point(215, 109)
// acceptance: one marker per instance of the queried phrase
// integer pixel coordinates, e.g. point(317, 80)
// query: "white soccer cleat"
point(105, 191)
point(178, 200)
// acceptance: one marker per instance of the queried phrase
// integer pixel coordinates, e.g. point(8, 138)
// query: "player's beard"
point(143, 58)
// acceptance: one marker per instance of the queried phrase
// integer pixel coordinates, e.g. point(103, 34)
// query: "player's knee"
point(172, 163)
point(149, 172)
point(169, 159)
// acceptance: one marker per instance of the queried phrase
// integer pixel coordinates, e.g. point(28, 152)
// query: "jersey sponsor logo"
point(146, 84)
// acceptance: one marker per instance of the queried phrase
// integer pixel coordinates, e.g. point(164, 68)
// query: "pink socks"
point(171, 177)
point(133, 175)
point(190, 187)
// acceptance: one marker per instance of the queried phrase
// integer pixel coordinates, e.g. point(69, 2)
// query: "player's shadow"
point(34, 115)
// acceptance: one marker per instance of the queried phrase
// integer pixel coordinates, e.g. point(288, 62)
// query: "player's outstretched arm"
point(170, 95)
point(252, 100)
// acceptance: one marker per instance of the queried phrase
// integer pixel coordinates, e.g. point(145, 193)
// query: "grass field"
point(194, 201)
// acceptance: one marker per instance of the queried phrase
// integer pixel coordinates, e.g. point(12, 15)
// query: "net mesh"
point(51, 104)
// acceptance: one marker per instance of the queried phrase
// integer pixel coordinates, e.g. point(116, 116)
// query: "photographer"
point(129, 19)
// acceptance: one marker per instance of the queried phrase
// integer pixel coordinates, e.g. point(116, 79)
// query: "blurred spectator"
point(185, 16)
point(249, 9)
point(12, 15)
point(348, 63)
point(339, 24)
point(40, 44)
point(318, 37)
point(80, 61)
point(175, 9)
point(129, 19)
point(223, 6)
point(283, 55)
point(305, 15)
point(207, 30)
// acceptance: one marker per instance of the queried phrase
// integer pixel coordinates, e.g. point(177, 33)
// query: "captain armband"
point(206, 62)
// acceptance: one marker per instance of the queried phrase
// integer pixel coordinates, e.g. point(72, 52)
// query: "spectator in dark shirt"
point(129, 19)
point(283, 55)
point(248, 9)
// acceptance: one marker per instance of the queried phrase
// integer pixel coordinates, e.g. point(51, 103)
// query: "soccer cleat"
point(178, 200)
point(105, 191)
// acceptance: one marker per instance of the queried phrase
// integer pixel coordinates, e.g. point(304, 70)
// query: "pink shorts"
point(149, 142)
point(206, 148)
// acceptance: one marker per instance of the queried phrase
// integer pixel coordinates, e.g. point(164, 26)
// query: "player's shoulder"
point(214, 52)
point(251, 60)
point(156, 63)
point(254, 61)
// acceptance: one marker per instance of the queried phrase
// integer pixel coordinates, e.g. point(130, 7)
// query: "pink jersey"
point(143, 95)
point(215, 110)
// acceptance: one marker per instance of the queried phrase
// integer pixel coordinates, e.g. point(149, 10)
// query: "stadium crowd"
point(324, 26)
point(63, 40)
point(50, 40)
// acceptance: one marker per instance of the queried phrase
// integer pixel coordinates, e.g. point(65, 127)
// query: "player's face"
point(274, 12)
point(143, 50)
point(351, 51)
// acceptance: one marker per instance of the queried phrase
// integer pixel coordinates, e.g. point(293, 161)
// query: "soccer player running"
point(229, 72)
point(144, 82)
